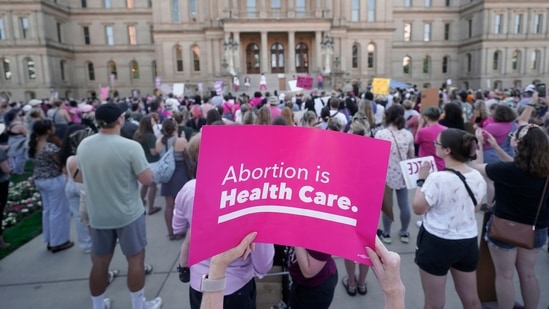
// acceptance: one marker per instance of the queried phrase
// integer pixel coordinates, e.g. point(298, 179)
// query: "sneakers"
point(107, 303)
point(404, 237)
point(419, 223)
point(386, 238)
point(153, 304)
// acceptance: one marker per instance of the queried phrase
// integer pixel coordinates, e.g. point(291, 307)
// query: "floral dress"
point(402, 142)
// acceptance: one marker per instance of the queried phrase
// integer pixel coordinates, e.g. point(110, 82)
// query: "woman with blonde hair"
point(288, 115)
point(365, 106)
point(264, 116)
point(480, 113)
point(309, 119)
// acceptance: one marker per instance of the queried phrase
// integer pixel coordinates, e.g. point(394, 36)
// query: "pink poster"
point(104, 93)
point(305, 82)
point(295, 186)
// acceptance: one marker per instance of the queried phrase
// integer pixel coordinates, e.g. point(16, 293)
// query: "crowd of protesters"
point(498, 133)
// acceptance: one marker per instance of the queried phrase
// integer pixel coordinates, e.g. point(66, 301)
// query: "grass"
point(22, 233)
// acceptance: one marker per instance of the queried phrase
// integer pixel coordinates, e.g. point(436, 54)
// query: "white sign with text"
point(410, 169)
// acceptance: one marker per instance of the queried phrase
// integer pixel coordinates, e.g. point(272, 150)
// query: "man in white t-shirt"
point(173, 102)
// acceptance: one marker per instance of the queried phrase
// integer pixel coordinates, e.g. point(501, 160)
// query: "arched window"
point(7, 69)
point(445, 64)
point(29, 65)
point(371, 55)
point(62, 65)
point(302, 58)
point(178, 58)
point(406, 65)
point(113, 73)
point(196, 58)
point(468, 63)
point(515, 60)
point(252, 59)
point(277, 58)
point(497, 84)
point(495, 60)
point(535, 59)
point(426, 65)
point(134, 67)
point(91, 71)
point(355, 55)
point(517, 84)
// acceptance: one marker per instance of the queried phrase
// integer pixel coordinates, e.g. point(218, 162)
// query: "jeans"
point(56, 215)
point(405, 215)
point(72, 192)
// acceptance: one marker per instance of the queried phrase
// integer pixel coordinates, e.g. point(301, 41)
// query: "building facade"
point(76, 46)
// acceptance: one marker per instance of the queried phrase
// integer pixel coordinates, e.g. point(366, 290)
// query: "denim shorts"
point(540, 238)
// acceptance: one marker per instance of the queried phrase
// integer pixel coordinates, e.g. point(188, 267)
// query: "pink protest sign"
point(295, 186)
point(104, 93)
point(305, 82)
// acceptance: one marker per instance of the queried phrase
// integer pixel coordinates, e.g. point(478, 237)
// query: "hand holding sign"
point(412, 168)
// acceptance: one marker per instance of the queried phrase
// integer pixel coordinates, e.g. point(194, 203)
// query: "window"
point(300, 8)
point(468, 63)
point(515, 60)
point(517, 84)
point(113, 73)
point(518, 23)
point(131, 35)
point(24, 21)
point(107, 4)
point(302, 58)
point(252, 59)
point(196, 59)
point(179, 58)
point(407, 3)
point(91, 71)
point(86, 31)
point(84, 3)
point(275, 4)
point(446, 32)
point(498, 26)
point(465, 85)
point(129, 4)
point(59, 37)
point(134, 67)
point(448, 3)
point(407, 32)
point(428, 3)
point(538, 23)
point(406, 61)
point(31, 71)
point(426, 65)
point(62, 69)
point(277, 58)
point(109, 35)
point(371, 10)
point(151, 32)
point(535, 59)
point(445, 63)
point(371, 55)
point(427, 32)
point(154, 70)
point(2, 30)
point(355, 54)
point(355, 10)
point(251, 8)
point(175, 11)
point(469, 28)
point(495, 61)
point(498, 84)
point(7, 69)
point(192, 8)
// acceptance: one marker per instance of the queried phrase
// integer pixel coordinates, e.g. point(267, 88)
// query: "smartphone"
point(542, 90)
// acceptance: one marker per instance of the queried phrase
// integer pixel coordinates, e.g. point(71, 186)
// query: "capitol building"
point(74, 47)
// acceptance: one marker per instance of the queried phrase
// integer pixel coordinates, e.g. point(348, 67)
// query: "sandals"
point(155, 210)
point(362, 289)
point(112, 274)
point(351, 290)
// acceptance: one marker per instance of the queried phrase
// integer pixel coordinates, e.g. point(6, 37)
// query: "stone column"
point(318, 51)
point(238, 50)
point(264, 53)
point(291, 52)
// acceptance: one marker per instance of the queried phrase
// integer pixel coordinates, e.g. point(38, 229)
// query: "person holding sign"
point(402, 148)
point(448, 237)
point(428, 131)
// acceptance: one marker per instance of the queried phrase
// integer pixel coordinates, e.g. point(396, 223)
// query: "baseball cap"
point(108, 113)
point(530, 88)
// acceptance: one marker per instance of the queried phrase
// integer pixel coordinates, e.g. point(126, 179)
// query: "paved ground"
point(32, 277)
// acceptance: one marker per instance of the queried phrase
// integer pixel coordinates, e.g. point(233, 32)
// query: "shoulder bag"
point(460, 175)
point(516, 233)
point(163, 169)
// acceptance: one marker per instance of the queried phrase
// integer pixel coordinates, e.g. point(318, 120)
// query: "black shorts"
point(436, 255)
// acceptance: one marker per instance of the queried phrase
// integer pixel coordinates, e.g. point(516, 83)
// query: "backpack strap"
point(460, 175)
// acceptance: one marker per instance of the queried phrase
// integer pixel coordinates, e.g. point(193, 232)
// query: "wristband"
point(212, 285)
point(420, 182)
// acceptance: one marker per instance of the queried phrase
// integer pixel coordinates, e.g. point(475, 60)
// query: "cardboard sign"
point(380, 86)
point(429, 97)
point(293, 86)
point(328, 202)
point(305, 82)
point(166, 88)
point(178, 89)
point(320, 103)
point(410, 169)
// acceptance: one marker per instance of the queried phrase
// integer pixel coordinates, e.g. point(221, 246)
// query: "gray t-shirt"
point(110, 165)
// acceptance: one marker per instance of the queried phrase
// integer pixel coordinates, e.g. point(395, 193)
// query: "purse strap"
point(541, 201)
point(398, 148)
point(460, 175)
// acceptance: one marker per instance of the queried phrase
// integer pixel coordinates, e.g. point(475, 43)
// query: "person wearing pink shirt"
point(429, 129)
point(273, 107)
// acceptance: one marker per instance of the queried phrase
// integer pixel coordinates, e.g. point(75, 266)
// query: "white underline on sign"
point(287, 210)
